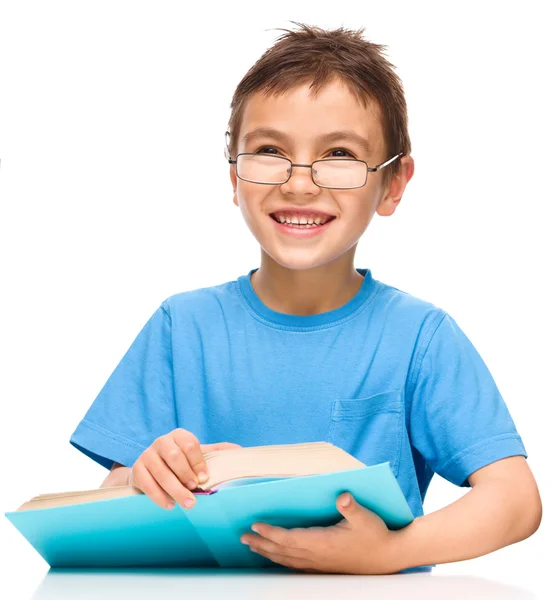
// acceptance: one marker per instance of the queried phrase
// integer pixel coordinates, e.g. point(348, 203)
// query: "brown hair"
point(315, 55)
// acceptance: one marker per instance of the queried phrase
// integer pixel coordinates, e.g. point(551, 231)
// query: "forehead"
point(304, 118)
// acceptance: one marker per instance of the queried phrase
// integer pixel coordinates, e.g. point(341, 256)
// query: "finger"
point(289, 538)
point(142, 479)
point(190, 445)
point(205, 448)
point(167, 480)
point(177, 461)
point(357, 515)
point(285, 560)
point(261, 543)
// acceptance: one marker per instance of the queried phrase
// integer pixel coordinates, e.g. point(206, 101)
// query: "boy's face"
point(304, 119)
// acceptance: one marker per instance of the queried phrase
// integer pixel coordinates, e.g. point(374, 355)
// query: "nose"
point(300, 181)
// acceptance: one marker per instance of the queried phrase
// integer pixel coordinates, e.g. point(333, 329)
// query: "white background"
point(114, 194)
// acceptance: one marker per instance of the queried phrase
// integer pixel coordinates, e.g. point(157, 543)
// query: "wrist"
point(399, 553)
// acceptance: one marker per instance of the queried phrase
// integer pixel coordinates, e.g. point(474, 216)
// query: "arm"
point(502, 508)
point(118, 475)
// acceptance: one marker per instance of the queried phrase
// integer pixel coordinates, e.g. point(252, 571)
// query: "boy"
point(307, 347)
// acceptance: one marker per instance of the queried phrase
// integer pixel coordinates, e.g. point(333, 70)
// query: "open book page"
point(52, 500)
point(278, 461)
point(228, 468)
point(244, 481)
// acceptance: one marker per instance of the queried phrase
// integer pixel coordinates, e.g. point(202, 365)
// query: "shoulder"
point(405, 308)
point(205, 300)
point(414, 324)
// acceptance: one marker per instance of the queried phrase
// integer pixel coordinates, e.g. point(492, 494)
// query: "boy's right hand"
point(173, 465)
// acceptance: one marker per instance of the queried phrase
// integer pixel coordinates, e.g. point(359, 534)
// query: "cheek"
point(251, 208)
point(357, 212)
point(253, 199)
point(360, 207)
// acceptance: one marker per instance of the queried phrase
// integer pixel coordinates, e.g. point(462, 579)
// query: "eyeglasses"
point(333, 173)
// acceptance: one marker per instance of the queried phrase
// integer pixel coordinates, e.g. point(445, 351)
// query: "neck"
point(306, 292)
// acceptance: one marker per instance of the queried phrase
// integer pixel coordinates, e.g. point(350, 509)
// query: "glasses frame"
point(369, 169)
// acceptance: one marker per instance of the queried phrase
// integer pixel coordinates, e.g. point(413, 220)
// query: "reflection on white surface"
point(139, 584)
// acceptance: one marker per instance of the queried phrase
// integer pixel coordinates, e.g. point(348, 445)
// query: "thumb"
point(351, 510)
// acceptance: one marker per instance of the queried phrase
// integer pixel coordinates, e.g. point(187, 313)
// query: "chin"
point(299, 261)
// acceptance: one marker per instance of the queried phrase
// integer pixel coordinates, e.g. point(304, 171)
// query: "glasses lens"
point(340, 173)
point(260, 168)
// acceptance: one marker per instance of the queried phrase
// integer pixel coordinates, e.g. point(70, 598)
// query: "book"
point(289, 485)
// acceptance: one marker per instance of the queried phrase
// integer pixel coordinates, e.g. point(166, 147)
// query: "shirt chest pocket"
point(369, 428)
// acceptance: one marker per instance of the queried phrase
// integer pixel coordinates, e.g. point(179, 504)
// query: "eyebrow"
point(334, 136)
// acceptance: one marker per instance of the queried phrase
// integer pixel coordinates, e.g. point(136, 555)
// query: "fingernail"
point(203, 476)
point(189, 503)
point(191, 485)
point(170, 505)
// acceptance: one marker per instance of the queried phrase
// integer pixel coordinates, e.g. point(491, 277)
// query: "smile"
point(301, 230)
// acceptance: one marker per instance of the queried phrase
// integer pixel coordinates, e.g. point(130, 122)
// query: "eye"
point(266, 148)
point(263, 148)
point(342, 150)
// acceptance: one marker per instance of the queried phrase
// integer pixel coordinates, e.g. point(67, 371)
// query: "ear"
point(233, 180)
point(232, 173)
point(393, 194)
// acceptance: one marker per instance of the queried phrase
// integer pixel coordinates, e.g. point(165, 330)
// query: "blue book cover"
point(133, 531)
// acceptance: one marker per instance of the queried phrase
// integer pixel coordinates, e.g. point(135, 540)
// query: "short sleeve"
point(459, 421)
point(136, 404)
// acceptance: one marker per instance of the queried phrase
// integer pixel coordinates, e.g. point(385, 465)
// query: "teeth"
point(302, 221)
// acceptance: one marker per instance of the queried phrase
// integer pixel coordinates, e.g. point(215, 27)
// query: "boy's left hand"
point(359, 544)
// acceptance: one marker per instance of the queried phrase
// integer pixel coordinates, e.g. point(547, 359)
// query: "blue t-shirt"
point(387, 377)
